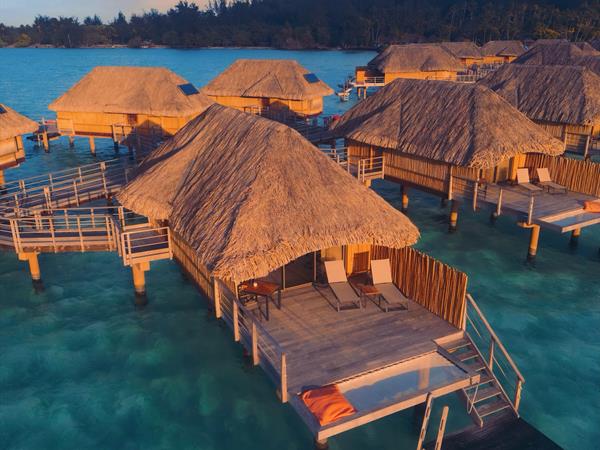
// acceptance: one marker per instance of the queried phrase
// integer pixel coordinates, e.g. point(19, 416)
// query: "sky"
point(17, 12)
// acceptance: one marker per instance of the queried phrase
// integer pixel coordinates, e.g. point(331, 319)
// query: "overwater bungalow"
point(467, 53)
point(556, 53)
point(12, 128)
point(269, 86)
point(283, 243)
point(420, 61)
point(564, 100)
point(466, 143)
point(137, 106)
point(501, 52)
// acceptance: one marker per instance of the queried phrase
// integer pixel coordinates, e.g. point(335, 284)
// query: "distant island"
point(314, 24)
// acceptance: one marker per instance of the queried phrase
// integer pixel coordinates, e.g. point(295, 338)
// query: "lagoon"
point(82, 368)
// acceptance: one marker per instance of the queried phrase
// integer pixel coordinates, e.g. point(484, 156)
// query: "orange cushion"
point(327, 404)
point(591, 206)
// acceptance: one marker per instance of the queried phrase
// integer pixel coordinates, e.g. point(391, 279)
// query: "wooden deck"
point(323, 345)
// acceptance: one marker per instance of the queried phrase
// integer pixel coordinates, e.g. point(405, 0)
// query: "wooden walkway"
point(504, 433)
point(325, 346)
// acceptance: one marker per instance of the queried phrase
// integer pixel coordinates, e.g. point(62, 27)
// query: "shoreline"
point(151, 47)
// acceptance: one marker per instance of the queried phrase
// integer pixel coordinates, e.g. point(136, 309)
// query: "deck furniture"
point(391, 298)
point(524, 181)
point(346, 297)
point(368, 291)
point(257, 290)
point(545, 181)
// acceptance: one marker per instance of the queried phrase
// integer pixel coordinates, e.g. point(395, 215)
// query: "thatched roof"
point(415, 58)
point(463, 49)
point(595, 43)
point(250, 195)
point(555, 53)
point(460, 124)
point(14, 124)
point(561, 94)
point(503, 48)
point(267, 78)
point(591, 62)
point(132, 90)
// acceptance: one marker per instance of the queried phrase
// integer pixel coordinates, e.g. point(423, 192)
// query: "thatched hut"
point(565, 100)
point(118, 102)
point(269, 85)
point(466, 52)
point(12, 127)
point(499, 52)
point(419, 61)
point(556, 53)
point(247, 196)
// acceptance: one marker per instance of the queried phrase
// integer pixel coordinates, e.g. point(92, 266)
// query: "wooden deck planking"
point(323, 345)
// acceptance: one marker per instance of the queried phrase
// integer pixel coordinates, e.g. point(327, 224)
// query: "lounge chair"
point(546, 182)
point(525, 183)
point(346, 297)
point(390, 297)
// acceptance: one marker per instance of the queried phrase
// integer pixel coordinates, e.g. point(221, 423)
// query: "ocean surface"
point(80, 367)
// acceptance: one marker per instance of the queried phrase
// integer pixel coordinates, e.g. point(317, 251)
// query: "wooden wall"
point(306, 107)
point(574, 136)
point(432, 75)
point(436, 286)
point(576, 175)
point(190, 263)
point(12, 152)
point(100, 124)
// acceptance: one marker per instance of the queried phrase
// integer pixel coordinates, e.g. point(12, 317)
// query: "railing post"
point(499, 204)
point(284, 390)
point(76, 193)
point(254, 344)
point(48, 197)
point(530, 212)
point(491, 358)
point(80, 233)
point(103, 170)
point(51, 224)
point(517, 400)
point(217, 298)
point(475, 193)
point(236, 324)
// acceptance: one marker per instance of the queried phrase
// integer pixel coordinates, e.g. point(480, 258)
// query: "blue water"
point(80, 367)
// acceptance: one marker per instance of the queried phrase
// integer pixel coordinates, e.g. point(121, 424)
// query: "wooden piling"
point(71, 141)
point(533, 242)
point(453, 215)
point(404, 191)
point(139, 282)
point(2, 181)
point(92, 146)
point(575, 236)
point(34, 269)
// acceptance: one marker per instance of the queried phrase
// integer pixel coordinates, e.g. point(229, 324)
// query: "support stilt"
point(71, 141)
point(34, 269)
point(404, 191)
point(139, 282)
point(116, 145)
point(2, 178)
point(45, 141)
point(575, 237)
point(321, 444)
point(443, 202)
point(533, 242)
point(453, 215)
point(92, 146)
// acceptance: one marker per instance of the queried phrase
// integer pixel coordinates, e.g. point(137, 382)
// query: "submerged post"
point(2, 178)
point(575, 237)
point(404, 192)
point(92, 146)
point(71, 141)
point(453, 215)
point(533, 242)
point(34, 269)
point(139, 282)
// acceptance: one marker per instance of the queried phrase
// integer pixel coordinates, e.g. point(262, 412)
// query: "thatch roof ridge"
point(555, 53)
point(591, 62)
point(503, 48)
point(415, 58)
point(444, 121)
point(250, 195)
point(270, 78)
point(560, 94)
point(131, 90)
point(463, 49)
point(13, 124)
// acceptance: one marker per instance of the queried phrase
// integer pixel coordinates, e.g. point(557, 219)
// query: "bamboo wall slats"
point(189, 261)
point(435, 286)
point(576, 175)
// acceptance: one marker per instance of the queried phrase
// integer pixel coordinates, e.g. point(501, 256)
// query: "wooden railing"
point(437, 287)
point(139, 243)
point(489, 346)
point(248, 330)
point(370, 168)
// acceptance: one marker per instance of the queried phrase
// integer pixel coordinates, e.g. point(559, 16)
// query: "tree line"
point(318, 24)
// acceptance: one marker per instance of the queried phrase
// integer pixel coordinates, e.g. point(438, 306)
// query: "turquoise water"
point(80, 367)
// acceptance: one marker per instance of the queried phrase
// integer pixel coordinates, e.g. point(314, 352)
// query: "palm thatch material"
point(591, 62)
point(464, 50)
point(559, 94)
point(503, 48)
point(13, 124)
point(460, 124)
point(267, 78)
point(556, 53)
point(131, 90)
point(250, 195)
point(415, 58)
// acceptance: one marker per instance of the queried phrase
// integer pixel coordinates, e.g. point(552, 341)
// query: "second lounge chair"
point(346, 297)
point(524, 182)
point(546, 181)
point(390, 296)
